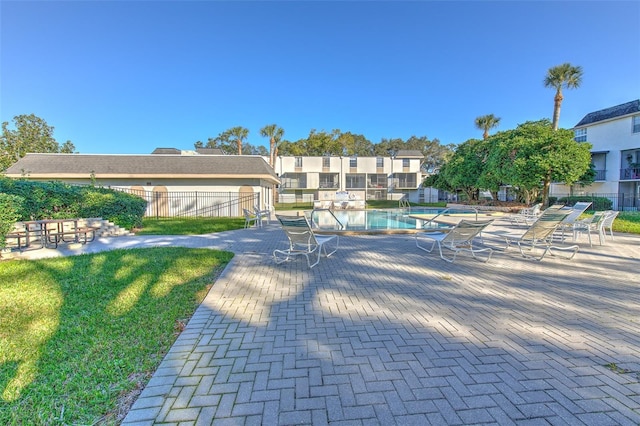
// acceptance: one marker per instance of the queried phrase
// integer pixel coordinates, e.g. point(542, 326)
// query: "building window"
point(353, 162)
point(328, 180)
point(298, 162)
point(293, 180)
point(355, 181)
point(406, 180)
point(580, 135)
point(405, 163)
point(379, 162)
point(636, 123)
point(326, 162)
point(377, 181)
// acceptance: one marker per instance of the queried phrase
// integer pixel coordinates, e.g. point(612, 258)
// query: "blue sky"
point(130, 76)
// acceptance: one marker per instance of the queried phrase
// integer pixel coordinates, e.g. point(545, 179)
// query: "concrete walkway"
point(382, 333)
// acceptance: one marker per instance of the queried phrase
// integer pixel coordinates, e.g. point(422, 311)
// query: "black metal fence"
point(195, 203)
point(619, 201)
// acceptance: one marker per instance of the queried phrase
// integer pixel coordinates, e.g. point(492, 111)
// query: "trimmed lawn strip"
point(80, 334)
point(189, 225)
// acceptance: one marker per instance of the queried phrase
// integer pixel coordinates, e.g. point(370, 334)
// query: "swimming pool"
point(383, 220)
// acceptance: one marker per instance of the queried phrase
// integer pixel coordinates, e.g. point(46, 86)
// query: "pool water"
point(370, 220)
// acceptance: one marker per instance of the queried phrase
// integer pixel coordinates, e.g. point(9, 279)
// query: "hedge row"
point(10, 208)
point(598, 203)
point(58, 200)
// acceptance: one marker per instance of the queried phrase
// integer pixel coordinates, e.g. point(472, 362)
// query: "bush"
point(44, 200)
point(125, 210)
point(58, 200)
point(10, 211)
point(598, 203)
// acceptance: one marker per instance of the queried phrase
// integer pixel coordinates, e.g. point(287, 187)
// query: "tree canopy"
point(528, 158)
point(31, 134)
point(486, 123)
point(348, 144)
point(231, 142)
point(562, 76)
point(275, 135)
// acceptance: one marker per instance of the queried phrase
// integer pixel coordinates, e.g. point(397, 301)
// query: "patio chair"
point(303, 241)
point(250, 219)
point(592, 223)
point(527, 215)
point(608, 222)
point(540, 235)
point(262, 214)
point(457, 239)
point(574, 214)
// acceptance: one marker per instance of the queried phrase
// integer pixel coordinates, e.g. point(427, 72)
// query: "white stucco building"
point(615, 135)
point(363, 178)
point(174, 182)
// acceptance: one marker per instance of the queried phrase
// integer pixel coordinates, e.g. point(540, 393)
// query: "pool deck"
point(382, 333)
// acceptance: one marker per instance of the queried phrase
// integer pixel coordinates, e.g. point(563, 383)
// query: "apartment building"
point(615, 135)
point(306, 179)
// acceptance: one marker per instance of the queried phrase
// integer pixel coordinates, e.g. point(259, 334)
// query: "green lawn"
point(189, 225)
point(628, 222)
point(78, 335)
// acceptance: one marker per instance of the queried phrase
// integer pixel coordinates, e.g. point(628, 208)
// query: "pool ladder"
point(444, 213)
point(315, 225)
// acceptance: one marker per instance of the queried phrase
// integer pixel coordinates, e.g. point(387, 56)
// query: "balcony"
point(328, 185)
point(405, 180)
point(600, 175)
point(293, 185)
point(630, 174)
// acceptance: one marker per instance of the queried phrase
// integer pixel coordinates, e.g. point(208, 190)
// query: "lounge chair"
point(302, 241)
point(526, 216)
point(574, 214)
point(608, 222)
point(457, 239)
point(250, 219)
point(540, 235)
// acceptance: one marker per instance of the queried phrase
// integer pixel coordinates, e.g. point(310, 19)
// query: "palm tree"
point(240, 134)
point(562, 76)
point(275, 134)
point(487, 122)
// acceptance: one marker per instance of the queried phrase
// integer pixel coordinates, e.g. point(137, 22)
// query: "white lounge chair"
point(574, 214)
point(526, 216)
point(540, 235)
point(457, 239)
point(303, 241)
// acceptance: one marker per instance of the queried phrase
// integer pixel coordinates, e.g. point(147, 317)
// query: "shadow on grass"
point(77, 332)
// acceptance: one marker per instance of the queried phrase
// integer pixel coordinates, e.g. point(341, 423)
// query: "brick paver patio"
point(383, 333)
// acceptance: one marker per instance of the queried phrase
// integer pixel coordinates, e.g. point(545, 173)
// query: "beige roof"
point(58, 166)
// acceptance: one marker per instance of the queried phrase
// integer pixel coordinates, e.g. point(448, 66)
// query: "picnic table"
point(48, 233)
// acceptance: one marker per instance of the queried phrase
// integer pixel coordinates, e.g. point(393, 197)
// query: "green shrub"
point(44, 200)
point(125, 210)
point(58, 200)
point(599, 203)
point(10, 211)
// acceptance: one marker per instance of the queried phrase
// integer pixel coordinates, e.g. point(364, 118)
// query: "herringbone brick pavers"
point(383, 333)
